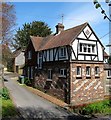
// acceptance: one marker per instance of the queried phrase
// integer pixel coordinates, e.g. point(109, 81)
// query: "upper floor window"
point(62, 52)
point(97, 70)
point(109, 73)
point(87, 48)
point(78, 71)
point(40, 60)
point(88, 71)
point(29, 54)
point(63, 72)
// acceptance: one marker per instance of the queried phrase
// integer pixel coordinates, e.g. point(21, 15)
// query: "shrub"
point(4, 93)
point(97, 107)
point(27, 81)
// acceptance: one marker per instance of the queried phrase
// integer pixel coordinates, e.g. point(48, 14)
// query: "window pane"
point(87, 70)
point(63, 52)
point(85, 48)
point(63, 72)
point(49, 74)
point(78, 70)
point(80, 47)
point(96, 70)
point(93, 48)
point(109, 72)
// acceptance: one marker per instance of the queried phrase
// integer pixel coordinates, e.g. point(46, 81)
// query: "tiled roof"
point(66, 37)
point(17, 52)
point(105, 54)
point(36, 41)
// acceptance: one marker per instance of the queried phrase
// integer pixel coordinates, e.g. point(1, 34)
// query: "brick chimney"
point(59, 28)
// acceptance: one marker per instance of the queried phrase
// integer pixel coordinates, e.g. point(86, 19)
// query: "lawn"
point(8, 108)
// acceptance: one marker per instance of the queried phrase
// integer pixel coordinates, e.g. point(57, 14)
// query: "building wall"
point(20, 59)
point(107, 80)
point(85, 90)
point(58, 86)
point(30, 62)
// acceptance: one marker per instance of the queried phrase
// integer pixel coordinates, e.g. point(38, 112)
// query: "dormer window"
point(62, 52)
point(29, 54)
point(86, 48)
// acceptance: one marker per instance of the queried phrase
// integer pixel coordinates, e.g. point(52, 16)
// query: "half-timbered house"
point(68, 64)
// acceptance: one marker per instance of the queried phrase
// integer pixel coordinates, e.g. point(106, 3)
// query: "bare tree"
point(7, 21)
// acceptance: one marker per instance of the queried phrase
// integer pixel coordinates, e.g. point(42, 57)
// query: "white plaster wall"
point(100, 52)
point(20, 59)
point(74, 46)
point(81, 35)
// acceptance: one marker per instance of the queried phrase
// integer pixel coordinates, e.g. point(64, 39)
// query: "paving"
point(33, 107)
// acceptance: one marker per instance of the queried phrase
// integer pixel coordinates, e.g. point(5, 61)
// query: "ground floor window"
point(97, 70)
point(50, 74)
point(88, 71)
point(109, 73)
point(78, 71)
point(63, 72)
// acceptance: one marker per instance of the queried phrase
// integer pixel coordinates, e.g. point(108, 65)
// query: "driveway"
point(32, 106)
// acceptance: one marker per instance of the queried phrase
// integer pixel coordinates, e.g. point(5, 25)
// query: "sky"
point(75, 13)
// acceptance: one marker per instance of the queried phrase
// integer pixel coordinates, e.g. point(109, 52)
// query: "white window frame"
point(97, 70)
point(89, 71)
point(82, 47)
point(49, 74)
point(62, 52)
point(80, 71)
point(30, 54)
point(32, 72)
point(62, 72)
point(40, 60)
point(109, 73)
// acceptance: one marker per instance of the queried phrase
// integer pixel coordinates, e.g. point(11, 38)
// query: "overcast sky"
point(74, 13)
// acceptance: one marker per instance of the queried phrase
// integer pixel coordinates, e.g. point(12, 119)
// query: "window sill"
point(50, 80)
point(87, 53)
point(78, 77)
point(88, 76)
point(97, 76)
point(108, 77)
point(62, 76)
point(62, 57)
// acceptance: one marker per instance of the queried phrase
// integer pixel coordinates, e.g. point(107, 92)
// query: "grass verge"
point(8, 108)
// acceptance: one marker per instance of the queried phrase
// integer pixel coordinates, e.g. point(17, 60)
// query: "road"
point(32, 106)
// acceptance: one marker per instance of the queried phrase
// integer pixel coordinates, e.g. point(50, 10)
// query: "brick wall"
point(85, 90)
point(58, 86)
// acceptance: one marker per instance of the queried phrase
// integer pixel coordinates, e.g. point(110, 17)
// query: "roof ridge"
point(75, 26)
